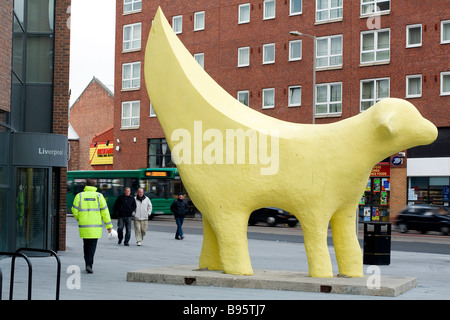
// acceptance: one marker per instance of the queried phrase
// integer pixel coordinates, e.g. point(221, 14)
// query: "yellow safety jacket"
point(89, 207)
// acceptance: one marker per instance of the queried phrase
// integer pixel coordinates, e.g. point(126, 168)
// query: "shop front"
point(374, 204)
point(29, 189)
point(429, 181)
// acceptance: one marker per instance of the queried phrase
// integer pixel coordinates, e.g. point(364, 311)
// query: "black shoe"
point(126, 244)
point(119, 242)
point(177, 238)
point(89, 269)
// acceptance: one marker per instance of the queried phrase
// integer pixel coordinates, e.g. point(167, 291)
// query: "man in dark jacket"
point(180, 208)
point(123, 208)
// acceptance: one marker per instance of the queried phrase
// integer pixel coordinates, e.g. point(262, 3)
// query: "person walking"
point(141, 215)
point(89, 208)
point(180, 208)
point(123, 208)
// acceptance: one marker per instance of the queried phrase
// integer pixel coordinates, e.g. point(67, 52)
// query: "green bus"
point(161, 185)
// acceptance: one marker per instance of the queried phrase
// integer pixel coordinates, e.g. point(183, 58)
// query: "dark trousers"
point(124, 222)
point(179, 221)
point(89, 246)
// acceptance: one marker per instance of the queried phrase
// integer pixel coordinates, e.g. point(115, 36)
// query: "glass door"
point(32, 208)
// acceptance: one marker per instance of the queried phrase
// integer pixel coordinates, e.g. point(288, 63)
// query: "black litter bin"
point(377, 243)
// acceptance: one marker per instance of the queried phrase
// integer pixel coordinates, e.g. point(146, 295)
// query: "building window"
point(199, 21)
point(414, 86)
point(131, 75)
point(243, 97)
point(295, 50)
point(328, 10)
point(329, 98)
point(295, 96)
point(375, 46)
point(372, 6)
point(132, 37)
point(244, 13)
point(200, 58)
point(445, 31)
point(414, 36)
point(329, 52)
point(159, 155)
point(269, 9)
point(177, 24)
point(130, 114)
point(445, 83)
point(295, 7)
point(152, 112)
point(268, 97)
point(269, 53)
point(131, 6)
point(372, 91)
point(244, 57)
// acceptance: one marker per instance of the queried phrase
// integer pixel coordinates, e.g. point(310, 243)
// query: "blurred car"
point(272, 216)
point(423, 218)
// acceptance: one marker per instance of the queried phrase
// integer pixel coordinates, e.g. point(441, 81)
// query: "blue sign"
point(446, 193)
point(397, 161)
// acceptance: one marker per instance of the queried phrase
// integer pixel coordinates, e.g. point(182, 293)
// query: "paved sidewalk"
point(160, 249)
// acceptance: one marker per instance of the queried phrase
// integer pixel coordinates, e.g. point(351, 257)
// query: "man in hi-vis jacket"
point(89, 208)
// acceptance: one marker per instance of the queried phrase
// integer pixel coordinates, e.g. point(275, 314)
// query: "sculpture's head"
point(401, 125)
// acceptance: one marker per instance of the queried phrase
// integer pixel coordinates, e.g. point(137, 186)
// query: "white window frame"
point(329, 55)
point(266, 15)
point(329, 101)
point(408, 78)
point(297, 12)
point(444, 74)
point(200, 58)
point(199, 15)
point(264, 92)
point(376, 97)
point(292, 42)
point(132, 79)
point(444, 22)
point(240, 19)
point(245, 92)
point(241, 63)
point(373, 4)
point(266, 47)
point(413, 26)
point(375, 50)
point(174, 24)
point(133, 4)
point(132, 104)
point(152, 112)
point(328, 10)
point(297, 104)
point(132, 40)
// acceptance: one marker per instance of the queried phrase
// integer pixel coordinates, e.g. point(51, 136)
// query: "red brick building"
point(365, 51)
point(90, 114)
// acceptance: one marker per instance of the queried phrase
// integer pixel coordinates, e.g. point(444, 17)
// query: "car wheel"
point(445, 230)
point(402, 228)
point(292, 224)
point(271, 221)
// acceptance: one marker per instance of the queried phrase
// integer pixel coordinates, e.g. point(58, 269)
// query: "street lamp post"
point(298, 33)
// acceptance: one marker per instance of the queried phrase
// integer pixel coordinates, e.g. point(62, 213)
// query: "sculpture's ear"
point(386, 125)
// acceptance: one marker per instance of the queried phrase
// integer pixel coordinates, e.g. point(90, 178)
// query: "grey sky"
point(91, 44)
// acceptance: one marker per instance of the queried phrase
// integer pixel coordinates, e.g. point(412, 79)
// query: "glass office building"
point(33, 114)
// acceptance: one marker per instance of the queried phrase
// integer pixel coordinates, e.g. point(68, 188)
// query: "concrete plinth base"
point(274, 280)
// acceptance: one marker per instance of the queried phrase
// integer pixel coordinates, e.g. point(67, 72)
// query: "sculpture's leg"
point(346, 245)
point(315, 237)
point(230, 226)
point(209, 256)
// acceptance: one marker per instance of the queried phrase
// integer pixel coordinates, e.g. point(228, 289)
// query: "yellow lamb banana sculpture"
point(316, 172)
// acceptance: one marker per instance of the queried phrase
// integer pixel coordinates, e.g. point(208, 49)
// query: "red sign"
point(380, 171)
